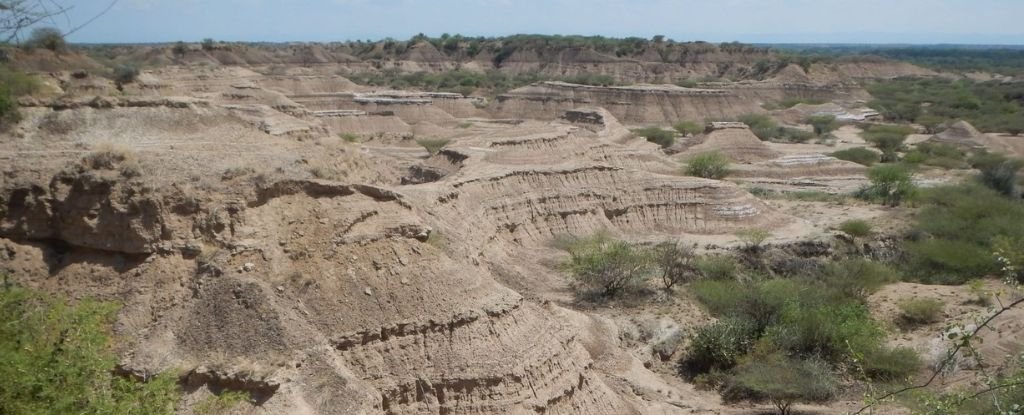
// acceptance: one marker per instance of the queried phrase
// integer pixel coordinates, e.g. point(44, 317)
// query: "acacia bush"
point(717, 267)
point(718, 346)
point(956, 228)
point(676, 262)
point(823, 124)
point(663, 138)
point(433, 146)
point(608, 267)
point(998, 172)
point(58, 360)
point(891, 184)
point(709, 165)
point(688, 128)
point(46, 38)
point(859, 155)
point(920, 311)
point(856, 228)
point(887, 138)
point(783, 381)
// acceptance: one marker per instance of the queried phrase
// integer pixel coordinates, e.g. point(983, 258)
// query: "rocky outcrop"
point(85, 209)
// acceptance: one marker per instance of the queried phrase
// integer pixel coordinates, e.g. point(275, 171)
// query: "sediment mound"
point(961, 134)
point(734, 140)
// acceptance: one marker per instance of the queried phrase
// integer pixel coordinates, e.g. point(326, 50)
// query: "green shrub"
point(854, 279)
point(718, 346)
point(823, 124)
point(350, 138)
point(125, 74)
point(763, 126)
point(889, 364)
point(859, 155)
point(830, 331)
point(663, 138)
point(921, 311)
point(688, 128)
point(433, 146)
point(58, 360)
point(221, 403)
point(891, 184)
point(887, 138)
point(13, 84)
point(998, 172)
point(710, 165)
point(957, 226)
point(717, 267)
point(608, 267)
point(856, 228)
point(793, 135)
point(939, 155)
point(753, 238)
point(783, 381)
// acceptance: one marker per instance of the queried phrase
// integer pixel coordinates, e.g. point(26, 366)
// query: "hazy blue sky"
point(849, 21)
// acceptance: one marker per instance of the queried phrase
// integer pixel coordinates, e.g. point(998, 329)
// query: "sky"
point(751, 21)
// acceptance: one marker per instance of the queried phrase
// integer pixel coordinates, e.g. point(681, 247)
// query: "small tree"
point(47, 38)
point(433, 146)
point(606, 266)
point(753, 239)
point(783, 381)
point(677, 263)
point(823, 124)
point(888, 138)
point(890, 183)
point(710, 165)
point(125, 74)
point(180, 49)
point(208, 44)
point(688, 128)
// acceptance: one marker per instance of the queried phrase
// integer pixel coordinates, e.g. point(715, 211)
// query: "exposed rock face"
point(84, 210)
point(634, 105)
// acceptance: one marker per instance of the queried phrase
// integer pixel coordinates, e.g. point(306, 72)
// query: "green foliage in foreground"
point(955, 232)
point(663, 138)
point(820, 315)
point(783, 381)
point(710, 165)
point(57, 360)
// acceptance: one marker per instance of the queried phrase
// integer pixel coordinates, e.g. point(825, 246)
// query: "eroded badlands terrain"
point(279, 231)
